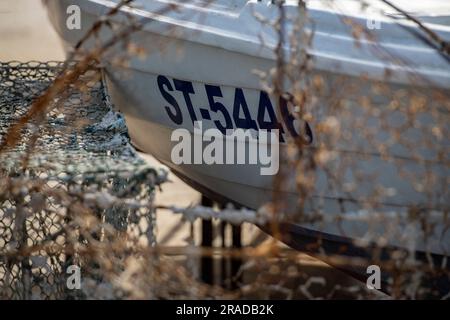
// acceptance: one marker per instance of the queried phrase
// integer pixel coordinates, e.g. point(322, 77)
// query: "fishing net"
point(74, 194)
point(367, 157)
point(371, 160)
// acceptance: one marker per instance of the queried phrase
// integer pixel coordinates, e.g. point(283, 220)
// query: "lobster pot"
point(73, 192)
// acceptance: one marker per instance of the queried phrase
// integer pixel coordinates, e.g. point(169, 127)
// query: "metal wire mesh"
point(79, 166)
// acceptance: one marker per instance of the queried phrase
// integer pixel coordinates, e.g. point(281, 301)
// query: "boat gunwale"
point(324, 61)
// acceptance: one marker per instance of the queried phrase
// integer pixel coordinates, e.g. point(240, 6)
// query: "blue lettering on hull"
point(217, 112)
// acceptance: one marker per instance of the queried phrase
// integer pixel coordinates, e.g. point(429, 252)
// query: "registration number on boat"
point(227, 108)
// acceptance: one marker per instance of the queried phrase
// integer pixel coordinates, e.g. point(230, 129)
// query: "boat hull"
point(180, 81)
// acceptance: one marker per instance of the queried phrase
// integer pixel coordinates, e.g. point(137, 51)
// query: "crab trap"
point(70, 179)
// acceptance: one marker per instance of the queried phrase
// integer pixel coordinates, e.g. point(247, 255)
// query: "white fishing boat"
point(200, 65)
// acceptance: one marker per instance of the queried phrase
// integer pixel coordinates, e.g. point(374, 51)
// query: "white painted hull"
point(137, 93)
